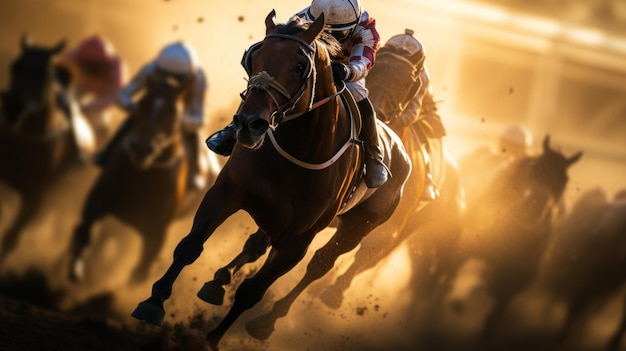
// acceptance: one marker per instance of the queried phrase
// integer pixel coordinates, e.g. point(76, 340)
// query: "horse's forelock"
point(298, 25)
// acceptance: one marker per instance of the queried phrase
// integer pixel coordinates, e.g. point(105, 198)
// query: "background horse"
point(294, 185)
point(143, 183)
point(434, 226)
point(510, 227)
point(38, 142)
point(583, 267)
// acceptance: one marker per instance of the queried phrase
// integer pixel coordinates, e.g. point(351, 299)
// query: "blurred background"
point(558, 66)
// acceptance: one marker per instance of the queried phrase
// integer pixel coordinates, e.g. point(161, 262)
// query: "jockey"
point(353, 27)
point(515, 141)
point(96, 76)
point(422, 107)
point(175, 61)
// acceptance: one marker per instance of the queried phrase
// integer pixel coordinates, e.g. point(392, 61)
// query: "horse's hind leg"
point(153, 238)
point(374, 248)
point(255, 247)
point(616, 339)
point(348, 235)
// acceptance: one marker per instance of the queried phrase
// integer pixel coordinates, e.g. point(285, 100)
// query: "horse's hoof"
point(148, 312)
point(212, 293)
point(260, 328)
point(331, 298)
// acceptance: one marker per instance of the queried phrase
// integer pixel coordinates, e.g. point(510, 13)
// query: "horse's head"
point(283, 71)
point(32, 78)
point(155, 126)
point(393, 81)
point(550, 169)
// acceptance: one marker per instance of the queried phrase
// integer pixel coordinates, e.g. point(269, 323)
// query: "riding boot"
point(195, 181)
point(102, 157)
point(223, 141)
point(376, 173)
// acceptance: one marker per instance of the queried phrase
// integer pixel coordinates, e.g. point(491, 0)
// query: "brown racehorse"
point(295, 184)
point(37, 145)
point(143, 182)
point(391, 82)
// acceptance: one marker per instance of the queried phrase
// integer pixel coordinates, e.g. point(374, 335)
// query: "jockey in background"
point(177, 62)
point(97, 74)
point(422, 108)
point(356, 30)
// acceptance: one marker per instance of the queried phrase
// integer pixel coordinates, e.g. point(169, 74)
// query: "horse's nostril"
point(258, 126)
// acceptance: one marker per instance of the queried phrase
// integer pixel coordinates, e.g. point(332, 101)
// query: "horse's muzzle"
point(250, 129)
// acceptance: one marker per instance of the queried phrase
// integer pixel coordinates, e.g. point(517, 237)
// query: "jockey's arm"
point(366, 42)
point(125, 96)
point(193, 113)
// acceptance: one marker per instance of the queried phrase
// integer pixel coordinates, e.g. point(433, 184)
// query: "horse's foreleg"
point(153, 238)
point(348, 235)
point(250, 292)
point(208, 217)
point(255, 247)
point(30, 205)
point(95, 208)
point(616, 339)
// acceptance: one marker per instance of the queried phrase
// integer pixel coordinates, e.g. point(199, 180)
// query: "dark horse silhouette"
point(143, 184)
point(434, 226)
point(585, 260)
point(38, 143)
point(510, 226)
point(295, 185)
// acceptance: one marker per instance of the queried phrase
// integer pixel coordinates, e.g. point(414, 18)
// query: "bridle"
point(264, 82)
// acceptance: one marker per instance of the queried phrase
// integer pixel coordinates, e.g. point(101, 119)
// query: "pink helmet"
point(94, 48)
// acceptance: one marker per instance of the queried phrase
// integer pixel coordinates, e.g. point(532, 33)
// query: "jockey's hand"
point(340, 71)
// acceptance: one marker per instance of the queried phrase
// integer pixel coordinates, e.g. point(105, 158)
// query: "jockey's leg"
point(223, 141)
point(376, 173)
point(195, 181)
point(103, 156)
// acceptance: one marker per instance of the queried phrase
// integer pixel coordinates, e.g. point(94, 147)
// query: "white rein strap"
point(317, 166)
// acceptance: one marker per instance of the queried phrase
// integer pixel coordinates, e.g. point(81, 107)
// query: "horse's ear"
point(24, 42)
point(315, 28)
point(58, 48)
point(546, 143)
point(574, 159)
point(270, 23)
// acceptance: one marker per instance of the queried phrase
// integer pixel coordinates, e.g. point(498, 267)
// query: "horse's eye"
point(300, 68)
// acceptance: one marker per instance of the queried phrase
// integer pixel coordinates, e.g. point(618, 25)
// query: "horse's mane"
point(297, 24)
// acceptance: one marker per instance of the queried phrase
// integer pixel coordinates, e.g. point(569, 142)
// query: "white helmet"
point(341, 15)
point(516, 140)
point(177, 58)
point(407, 43)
